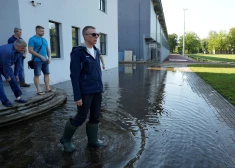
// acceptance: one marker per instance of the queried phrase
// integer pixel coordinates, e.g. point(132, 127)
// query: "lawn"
point(220, 76)
point(213, 57)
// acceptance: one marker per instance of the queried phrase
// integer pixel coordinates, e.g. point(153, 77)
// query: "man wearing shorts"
point(38, 47)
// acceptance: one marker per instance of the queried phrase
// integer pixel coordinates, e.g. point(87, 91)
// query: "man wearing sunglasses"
point(85, 74)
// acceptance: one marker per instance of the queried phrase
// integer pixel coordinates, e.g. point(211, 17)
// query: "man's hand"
point(8, 80)
point(43, 59)
point(103, 66)
point(17, 78)
point(49, 60)
point(79, 102)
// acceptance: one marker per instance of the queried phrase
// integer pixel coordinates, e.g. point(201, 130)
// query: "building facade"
point(63, 22)
point(142, 31)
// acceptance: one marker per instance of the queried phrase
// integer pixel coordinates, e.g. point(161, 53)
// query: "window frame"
point(103, 43)
point(57, 38)
point(103, 6)
point(76, 38)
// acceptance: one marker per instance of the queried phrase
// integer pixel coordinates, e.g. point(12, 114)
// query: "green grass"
point(213, 57)
point(220, 76)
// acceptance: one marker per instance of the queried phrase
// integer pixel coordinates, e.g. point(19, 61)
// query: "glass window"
point(54, 39)
point(102, 6)
point(103, 41)
point(75, 38)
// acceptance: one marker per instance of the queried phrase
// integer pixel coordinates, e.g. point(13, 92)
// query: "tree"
point(218, 41)
point(222, 40)
point(204, 45)
point(172, 41)
point(212, 41)
point(192, 43)
point(231, 39)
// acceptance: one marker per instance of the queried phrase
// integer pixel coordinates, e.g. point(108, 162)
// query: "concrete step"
point(34, 101)
point(36, 106)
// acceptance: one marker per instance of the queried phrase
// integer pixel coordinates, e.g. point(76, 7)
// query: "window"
point(75, 39)
point(102, 5)
point(103, 44)
point(54, 39)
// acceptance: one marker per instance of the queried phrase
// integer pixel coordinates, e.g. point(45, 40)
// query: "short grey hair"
point(20, 42)
point(16, 29)
point(84, 31)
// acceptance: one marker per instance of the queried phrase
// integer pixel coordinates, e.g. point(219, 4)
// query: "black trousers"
point(90, 102)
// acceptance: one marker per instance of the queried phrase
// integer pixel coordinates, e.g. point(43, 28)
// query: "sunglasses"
point(94, 34)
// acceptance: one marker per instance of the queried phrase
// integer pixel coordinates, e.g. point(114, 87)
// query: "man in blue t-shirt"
point(41, 56)
point(12, 39)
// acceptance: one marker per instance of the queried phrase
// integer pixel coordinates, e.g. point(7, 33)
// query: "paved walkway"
point(179, 58)
point(224, 110)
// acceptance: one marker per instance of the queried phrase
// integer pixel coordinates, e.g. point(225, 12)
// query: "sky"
point(201, 16)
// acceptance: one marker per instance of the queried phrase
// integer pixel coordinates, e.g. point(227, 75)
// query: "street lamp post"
point(184, 32)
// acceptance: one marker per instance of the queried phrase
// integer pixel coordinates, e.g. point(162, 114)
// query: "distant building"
point(63, 22)
point(142, 30)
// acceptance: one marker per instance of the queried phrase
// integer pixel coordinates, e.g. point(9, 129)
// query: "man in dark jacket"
point(12, 39)
point(11, 54)
point(85, 73)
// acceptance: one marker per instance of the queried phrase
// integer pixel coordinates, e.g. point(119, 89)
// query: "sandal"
point(40, 93)
point(48, 91)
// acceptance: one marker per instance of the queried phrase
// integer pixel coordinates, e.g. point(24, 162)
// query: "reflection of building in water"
point(140, 90)
point(111, 94)
point(128, 69)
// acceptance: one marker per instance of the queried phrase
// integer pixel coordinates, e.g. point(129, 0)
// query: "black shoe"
point(21, 101)
point(7, 104)
point(23, 84)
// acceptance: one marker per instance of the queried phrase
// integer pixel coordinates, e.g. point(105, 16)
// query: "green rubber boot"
point(92, 135)
point(65, 140)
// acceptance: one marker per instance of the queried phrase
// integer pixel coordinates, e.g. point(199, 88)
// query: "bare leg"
point(46, 81)
point(37, 84)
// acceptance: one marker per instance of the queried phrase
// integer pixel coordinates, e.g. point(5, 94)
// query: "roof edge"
point(157, 4)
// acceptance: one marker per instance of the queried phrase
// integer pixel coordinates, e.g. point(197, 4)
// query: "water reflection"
point(173, 125)
point(139, 100)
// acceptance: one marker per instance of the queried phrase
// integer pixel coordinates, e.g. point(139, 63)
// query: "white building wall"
point(9, 19)
point(68, 13)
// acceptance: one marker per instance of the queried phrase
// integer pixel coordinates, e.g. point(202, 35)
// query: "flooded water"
point(152, 117)
point(175, 127)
